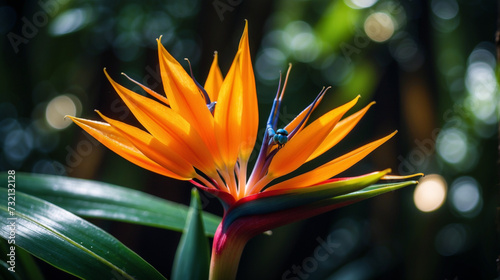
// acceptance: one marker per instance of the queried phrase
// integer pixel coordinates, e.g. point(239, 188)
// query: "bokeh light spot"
point(481, 81)
point(445, 9)
point(483, 53)
point(268, 62)
point(360, 4)
point(465, 196)
point(430, 193)
point(18, 145)
point(483, 110)
point(301, 41)
point(57, 109)
point(68, 22)
point(406, 51)
point(452, 145)
point(379, 26)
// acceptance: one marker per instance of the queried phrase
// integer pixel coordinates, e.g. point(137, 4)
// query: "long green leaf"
point(68, 242)
point(93, 199)
point(192, 259)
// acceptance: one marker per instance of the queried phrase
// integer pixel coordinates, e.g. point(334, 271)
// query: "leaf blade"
point(95, 199)
point(68, 242)
point(193, 249)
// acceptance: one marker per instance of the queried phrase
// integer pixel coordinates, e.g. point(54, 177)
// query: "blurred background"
point(430, 66)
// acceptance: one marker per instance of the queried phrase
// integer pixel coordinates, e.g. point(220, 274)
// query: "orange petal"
point(303, 144)
point(180, 88)
point(340, 131)
point(214, 80)
point(185, 98)
point(250, 118)
point(160, 153)
point(228, 115)
point(168, 127)
point(332, 168)
point(236, 114)
point(115, 141)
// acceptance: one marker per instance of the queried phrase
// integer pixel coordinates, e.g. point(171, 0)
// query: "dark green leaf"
point(67, 241)
point(95, 199)
point(192, 259)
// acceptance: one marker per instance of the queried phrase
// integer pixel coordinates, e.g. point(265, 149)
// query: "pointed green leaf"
point(192, 259)
point(67, 241)
point(369, 192)
point(95, 199)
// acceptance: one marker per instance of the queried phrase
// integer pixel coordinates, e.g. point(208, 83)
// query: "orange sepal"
point(250, 114)
point(115, 141)
point(186, 99)
point(331, 168)
point(338, 133)
point(155, 150)
point(168, 127)
point(214, 79)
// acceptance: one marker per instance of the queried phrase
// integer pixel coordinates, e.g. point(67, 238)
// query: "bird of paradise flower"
point(206, 134)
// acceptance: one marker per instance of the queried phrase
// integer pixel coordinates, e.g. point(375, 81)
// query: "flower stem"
point(226, 253)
